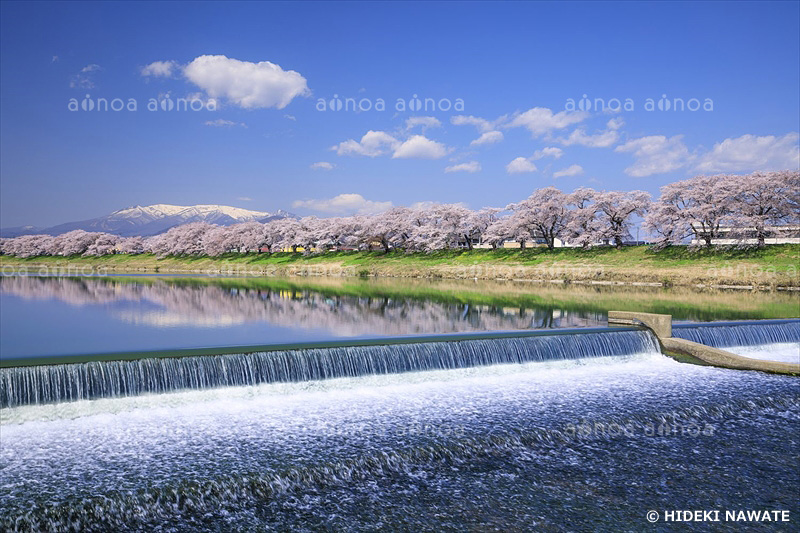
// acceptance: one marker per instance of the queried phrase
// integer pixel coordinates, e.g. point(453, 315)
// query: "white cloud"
point(471, 167)
point(520, 165)
point(372, 144)
point(549, 151)
point(481, 123)
point(541, 120)
point(419, 146)
point(84, 79)
point(425, 122)
point(526, 164)
point(490, 137)
point(245, 199)
point(290, 117)
point(601, 139)
point(572, 170)
point(248, 85)
point(655, 154)
point(377, 143)
point(160, 69)
point(222, 123)
point(322, 165)
point(749, 153)
point(344, 204)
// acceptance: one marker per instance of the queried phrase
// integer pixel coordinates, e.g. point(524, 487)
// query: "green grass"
point(672, 265)
point(785, 254)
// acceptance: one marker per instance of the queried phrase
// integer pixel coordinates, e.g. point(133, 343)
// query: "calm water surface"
point(65, 316)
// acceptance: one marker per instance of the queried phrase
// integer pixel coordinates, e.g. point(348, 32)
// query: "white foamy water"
point(153, 439)
point(785, 352)
point(131, 457)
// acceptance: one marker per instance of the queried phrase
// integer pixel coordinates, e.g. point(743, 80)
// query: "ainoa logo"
point(401, 105)
point(627, 104)
point(131, 104)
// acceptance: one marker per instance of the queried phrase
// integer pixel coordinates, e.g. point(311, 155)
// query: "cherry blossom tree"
point(544, 214)
point(761, 202)
point(219, 240)
point(699, 207)
point(344, 232)
point(583, 227)
point(310, 234)
point(183, 240)
point(443, 226)
point(663, 221)
point(269, 236)
point(104, 244)
point(131, 245)
point(247, 236)
point(614, 212)
point(478, 223)
point(29, 245)
point(289, 230)
point(392, 228)
point(496, 233)
point(793, 198)
point(74, 242)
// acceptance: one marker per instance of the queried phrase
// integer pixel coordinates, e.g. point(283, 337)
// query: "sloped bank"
point(773, 268)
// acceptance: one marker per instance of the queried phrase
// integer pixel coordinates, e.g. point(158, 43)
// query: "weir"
point(726, 334)
point(70, 378)
point(50, 383)
point(702, 341)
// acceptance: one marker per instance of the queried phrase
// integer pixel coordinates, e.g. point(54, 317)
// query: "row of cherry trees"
point(703, 208)
point(754, 206)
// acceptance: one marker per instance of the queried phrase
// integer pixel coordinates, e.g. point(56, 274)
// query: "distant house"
point(734, 236)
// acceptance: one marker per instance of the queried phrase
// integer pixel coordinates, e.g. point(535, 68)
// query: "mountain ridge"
point(153, 219)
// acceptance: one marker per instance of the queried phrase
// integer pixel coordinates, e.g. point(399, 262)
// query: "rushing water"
point(787, 352)
point(579, 444)
point(722, 336)
point(771, 341)
point(98, 379)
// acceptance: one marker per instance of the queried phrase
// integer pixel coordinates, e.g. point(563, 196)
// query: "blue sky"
point(513, 65)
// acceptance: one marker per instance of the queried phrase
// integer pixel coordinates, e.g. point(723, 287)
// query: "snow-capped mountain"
point(154, 219)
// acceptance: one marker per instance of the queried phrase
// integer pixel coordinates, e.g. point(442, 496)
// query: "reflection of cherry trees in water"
point(214, 305)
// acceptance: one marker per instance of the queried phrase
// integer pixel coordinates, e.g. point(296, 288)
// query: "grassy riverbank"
point(772, 266)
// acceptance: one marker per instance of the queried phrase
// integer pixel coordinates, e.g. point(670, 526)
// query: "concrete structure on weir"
point(661, 326)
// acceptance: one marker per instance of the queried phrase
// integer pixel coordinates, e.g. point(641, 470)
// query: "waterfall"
point(726, 335)
point(104, 379)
